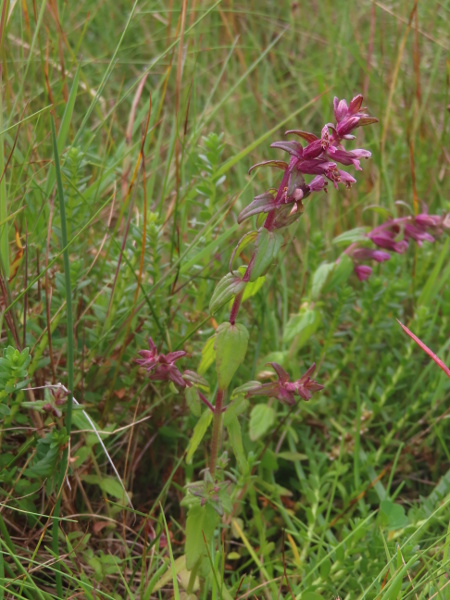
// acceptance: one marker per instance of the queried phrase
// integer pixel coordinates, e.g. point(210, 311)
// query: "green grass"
point(348, 495)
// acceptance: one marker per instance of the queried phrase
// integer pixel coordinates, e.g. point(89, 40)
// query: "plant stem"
point(217, 431)
point(217, 423)
point(70, 356)
point(235, 307)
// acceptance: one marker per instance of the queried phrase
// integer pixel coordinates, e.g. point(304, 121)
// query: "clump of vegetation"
point(184, 415)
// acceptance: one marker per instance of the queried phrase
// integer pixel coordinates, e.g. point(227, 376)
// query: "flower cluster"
point(162, 366)
point(394, 236)
point(285, 390)
point(319, 157)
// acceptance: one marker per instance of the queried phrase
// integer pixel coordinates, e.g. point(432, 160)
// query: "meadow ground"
point(127, 131)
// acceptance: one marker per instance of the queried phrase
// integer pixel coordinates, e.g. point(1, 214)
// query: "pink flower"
point(161, 366)
point(351, 116)
point(394, 235)
point(363, 253)
point(350, 157)
point(418, 233)
point(385, 236)
point(318, 183)
point(363, 272)
point(320, 157)
point(284, 390)
point(426, 220)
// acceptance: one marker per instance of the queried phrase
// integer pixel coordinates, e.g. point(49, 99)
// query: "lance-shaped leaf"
point(294, 148)
point(309, 137)
point(228, 286)
point(267, 246)
point(245, 240)
point(261, 204)
point(198, 434)
point(280, 164)
point(231, 346)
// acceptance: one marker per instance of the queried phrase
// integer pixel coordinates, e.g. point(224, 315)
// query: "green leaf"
point(231, 346)
point(358, 234)
point(228, 286)
point(198, 434)
point(245, 240)
point(243, 389)
point(302, 326)
point(200, 526)
point(47, 465)
point(110, 485)
point(236, 408)
point(253, 288)
point(311, 596)
point(385, 213)
point(262, 418)
point(341, 272)
point(267, 246)
point(319, 279)
point(392, 515)
point(14, 369)
point(193, 401)
point(235, 437)
point(4, 410)
point(208, 356)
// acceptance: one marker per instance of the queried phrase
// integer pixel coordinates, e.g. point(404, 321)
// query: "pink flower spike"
point(425, 348)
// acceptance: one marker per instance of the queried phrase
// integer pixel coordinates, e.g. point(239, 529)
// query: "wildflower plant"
point(313, 162)
point(394, 236)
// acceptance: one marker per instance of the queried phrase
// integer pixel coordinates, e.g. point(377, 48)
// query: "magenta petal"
point(309, 137)
point(173, 356)
point(286, 396)
point(313, 150)
point(380, 256)
point(363, 272)
point(317, 184)
point(294, 148)
point(355, 104)
point(309, 372)
point(400, 247)
point(425, 220)
point(151, 345)
point(282, 375)
point(175, 376)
